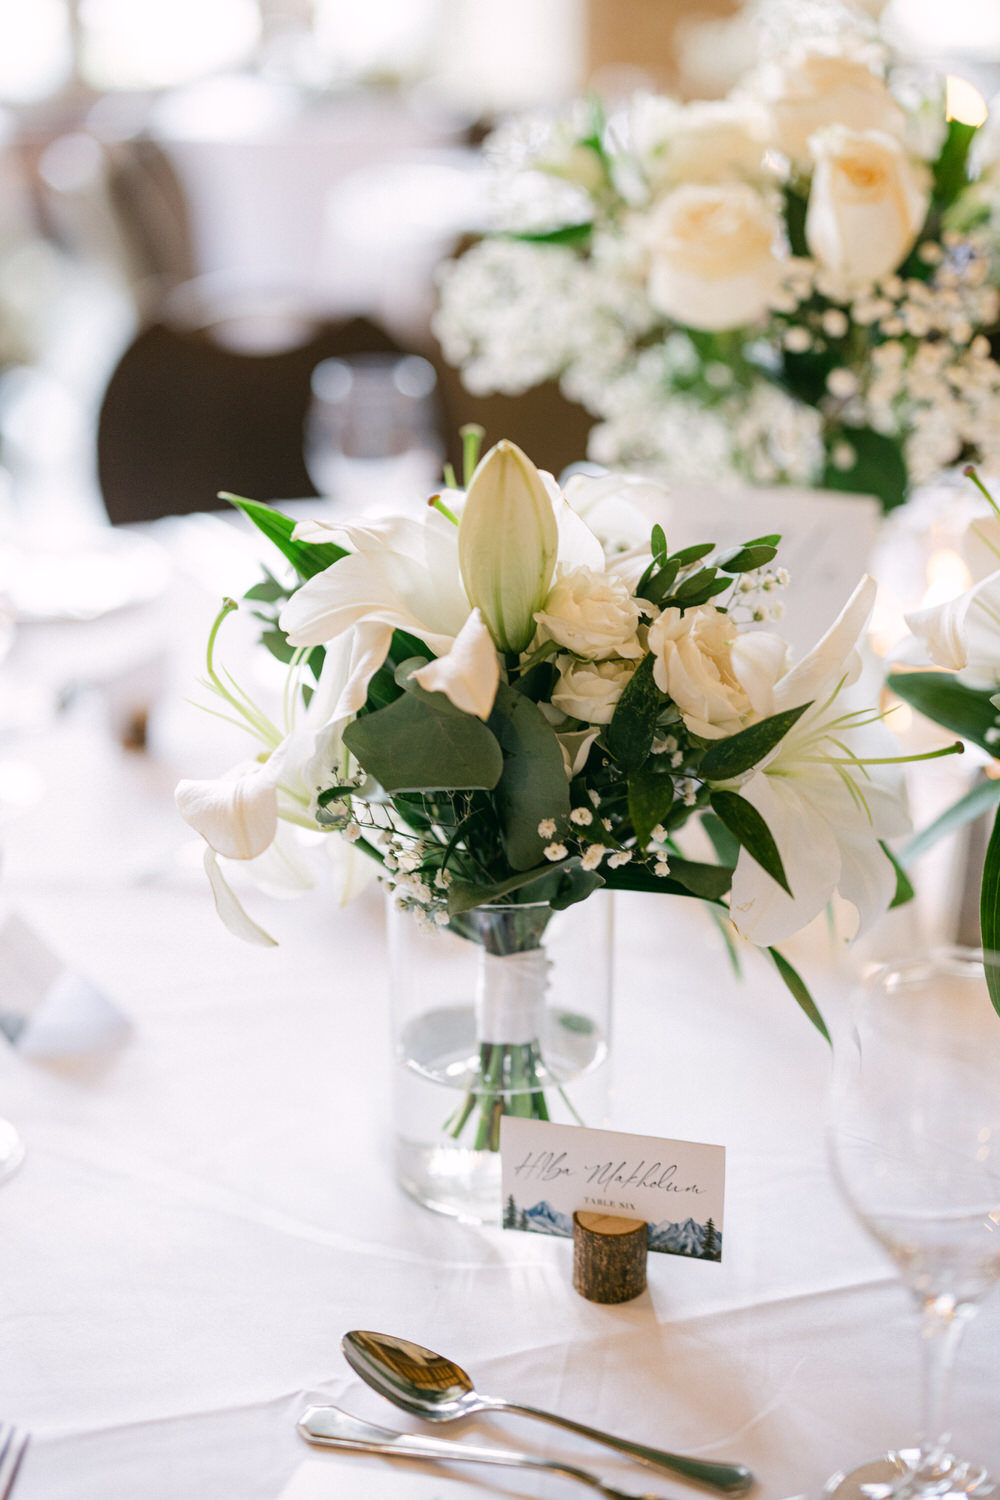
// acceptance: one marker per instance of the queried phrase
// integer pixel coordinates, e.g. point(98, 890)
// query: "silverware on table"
point(13, 1446)
point(427, 1385)
point(329, 1427)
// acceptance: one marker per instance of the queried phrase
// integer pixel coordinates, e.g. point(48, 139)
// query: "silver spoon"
point(428, 1385)
point(329, 1427)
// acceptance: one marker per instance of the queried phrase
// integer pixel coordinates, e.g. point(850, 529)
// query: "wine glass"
point(915, 1147)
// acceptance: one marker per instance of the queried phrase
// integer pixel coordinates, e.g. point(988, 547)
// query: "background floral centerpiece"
point(504, 719)
point(792, 284)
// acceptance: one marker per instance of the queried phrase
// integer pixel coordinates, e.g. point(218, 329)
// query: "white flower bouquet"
point(793, 284)
point(499, 714)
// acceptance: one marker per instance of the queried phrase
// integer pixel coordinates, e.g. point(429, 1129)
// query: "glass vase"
point(506, 1010)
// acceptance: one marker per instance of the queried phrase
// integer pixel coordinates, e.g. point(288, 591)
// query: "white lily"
point(508, 540)
point(964, 633)
point(828, 793)
point(402, 574)
point(469, 673)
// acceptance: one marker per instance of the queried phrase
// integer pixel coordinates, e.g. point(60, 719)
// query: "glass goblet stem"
point(943, 1323)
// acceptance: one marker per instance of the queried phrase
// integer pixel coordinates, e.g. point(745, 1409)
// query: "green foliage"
point(879, 467)
point(307, 558)
point(730, 757)
point(533, 784)
point(797, 987)
point(983, 796)
point(745, 823)
point(633, 723)
point(964, 710)
point(989, 910)
point(412, 745)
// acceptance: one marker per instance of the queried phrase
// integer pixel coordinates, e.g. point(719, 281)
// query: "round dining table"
point(207, 1202)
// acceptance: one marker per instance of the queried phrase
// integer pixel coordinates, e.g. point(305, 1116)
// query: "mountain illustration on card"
point(700, 1241)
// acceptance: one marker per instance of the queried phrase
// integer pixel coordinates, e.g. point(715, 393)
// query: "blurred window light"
point(376, 36)
point(36, 51)
point(157, 43)
point(969, 27)
point(964, 102)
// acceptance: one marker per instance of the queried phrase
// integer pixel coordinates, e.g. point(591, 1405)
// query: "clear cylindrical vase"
point(506, 1010)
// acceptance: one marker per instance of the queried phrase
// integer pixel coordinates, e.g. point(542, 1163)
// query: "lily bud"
point(507, 544)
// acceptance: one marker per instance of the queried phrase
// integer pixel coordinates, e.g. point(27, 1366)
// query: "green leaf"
point(636, 877)
point(655, 584)
point(878, 469)
point(710, 882)
point(797, 987)
point(567, 234)
point(307, 558)
point(795, 221)
point(689, 555)
point(743, 820)
point(904, 889)
point(463, 895)
point(533, 783)
point(633, 723)
point(414, 746)
point(984, 795)
point(727, 848)
point(747, 557)
point(738, 752)
point(658, 542)
point(965, 711)
point(650, 798)
point(989, 910)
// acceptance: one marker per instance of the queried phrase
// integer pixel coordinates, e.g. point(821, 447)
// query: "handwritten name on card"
point(550, 1171)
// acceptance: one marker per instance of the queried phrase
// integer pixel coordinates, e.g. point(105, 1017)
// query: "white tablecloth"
point(204, 1212)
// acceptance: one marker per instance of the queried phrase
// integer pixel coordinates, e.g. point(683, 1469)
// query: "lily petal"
point(229, 909)
point(833, 657)
point(469, 673)
point(236, 815)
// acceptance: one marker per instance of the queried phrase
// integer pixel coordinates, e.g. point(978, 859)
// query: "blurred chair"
point(212, 395)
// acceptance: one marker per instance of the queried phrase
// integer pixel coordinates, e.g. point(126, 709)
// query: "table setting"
point(499, 1028)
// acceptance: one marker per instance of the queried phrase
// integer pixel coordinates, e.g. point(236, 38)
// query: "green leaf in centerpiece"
point(750, 555)
point(989, 910)
point(533, 782)
point(689, 555)
point(307, 558)
point(709, 882)
point(633, 723)
point(879, 467)
point(904, 889)
point(567, 234)
point(414, 745)
point(964, 710)
point(798, 988)
point(463, 895)
point(739, 752)
point(983, 796)
point(650, 798)
point(743, 820)
point(726, 846)
point(699, 588)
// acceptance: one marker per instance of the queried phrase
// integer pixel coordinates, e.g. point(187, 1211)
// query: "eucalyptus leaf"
point(633, 723)
point(710, 882)
point(798, 988)
point(567, 234)
point(965, 711)
point(533, 782)
point(743, 820)
point(650, 798)
point(739, 752)
point(689, 555)
point(745, 558)
point(415, 746)
point(463, 895)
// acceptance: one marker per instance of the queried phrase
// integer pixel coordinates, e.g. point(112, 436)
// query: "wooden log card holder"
point(609, 1256)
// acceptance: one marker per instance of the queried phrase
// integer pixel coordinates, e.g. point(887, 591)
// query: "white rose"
point(589, 690)
point(713, 253)
point(867, 203)
point(827, 81)
point(719, 679)
point(591, 614)
point(718, 140)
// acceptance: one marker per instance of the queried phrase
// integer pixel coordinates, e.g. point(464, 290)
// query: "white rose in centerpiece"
point(713, 255)
point(590, 690)
point(719, 678)
point(827, 81)
point(591, 614)
point(867, 203)
point(716, 140)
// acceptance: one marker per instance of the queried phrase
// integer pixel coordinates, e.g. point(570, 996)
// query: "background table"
point(204, 1211)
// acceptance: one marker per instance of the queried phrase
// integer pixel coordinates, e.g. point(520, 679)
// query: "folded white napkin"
point(47, 1010)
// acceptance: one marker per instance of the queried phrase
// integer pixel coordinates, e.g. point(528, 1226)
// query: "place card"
point(47, 1010)
point(550, 1172)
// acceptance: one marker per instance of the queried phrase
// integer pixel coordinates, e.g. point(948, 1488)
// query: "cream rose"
point(591, 614)
point(589, 690)
point(719, 679)
point(867, 203)
point(827, 81)
point(717, 140)
point(713, 255)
